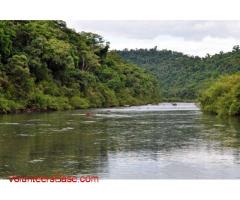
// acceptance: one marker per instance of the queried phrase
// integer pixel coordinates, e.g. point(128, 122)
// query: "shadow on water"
point(120, 143)
point(50, 144)
point(224, 131)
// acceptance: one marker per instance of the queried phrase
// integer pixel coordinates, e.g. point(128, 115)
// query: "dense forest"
point(46, 66)
point(182, 77)
point(223, 96)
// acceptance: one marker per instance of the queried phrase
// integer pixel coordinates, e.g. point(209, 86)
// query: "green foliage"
point(6, 34)
point(108, 95)
point(7, 105)
point(223, 96)
point(38, 69)
point(46, 66)
point(58, 55)
point(19, 76)
point(42, 101)
point(181, 76)
point(79, 102)
point(46, 102)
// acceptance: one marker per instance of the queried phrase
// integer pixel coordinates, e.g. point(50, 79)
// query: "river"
point(140, 142)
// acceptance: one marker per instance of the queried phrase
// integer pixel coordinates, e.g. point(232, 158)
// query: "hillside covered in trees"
point(46, 66)
point(180, 76)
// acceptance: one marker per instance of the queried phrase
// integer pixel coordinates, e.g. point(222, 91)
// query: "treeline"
point(180, 76)
point(46, 66)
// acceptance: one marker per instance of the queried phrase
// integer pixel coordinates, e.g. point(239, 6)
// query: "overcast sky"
point(189, 37)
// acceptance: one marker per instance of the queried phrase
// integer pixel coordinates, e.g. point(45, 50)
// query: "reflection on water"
point(159, 141)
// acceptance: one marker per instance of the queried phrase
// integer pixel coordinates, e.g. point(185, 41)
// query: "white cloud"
point(189, 37)
point(208, 44)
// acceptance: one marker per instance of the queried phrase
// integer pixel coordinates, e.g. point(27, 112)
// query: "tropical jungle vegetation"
point(223, 96)
point(181, 77)
point(44, 65)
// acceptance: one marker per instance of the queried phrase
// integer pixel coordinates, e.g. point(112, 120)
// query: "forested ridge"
point(46, 66)
point(182, 77)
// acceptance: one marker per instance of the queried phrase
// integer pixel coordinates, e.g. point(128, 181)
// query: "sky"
point(190, 37)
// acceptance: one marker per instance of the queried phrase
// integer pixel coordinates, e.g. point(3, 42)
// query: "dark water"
point(162, 141)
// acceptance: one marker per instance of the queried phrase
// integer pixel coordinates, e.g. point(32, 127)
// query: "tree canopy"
point(180, 76)
point(44, 65)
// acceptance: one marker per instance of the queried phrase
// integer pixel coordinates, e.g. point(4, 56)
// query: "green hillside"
point(181, 76)
point(46, 66)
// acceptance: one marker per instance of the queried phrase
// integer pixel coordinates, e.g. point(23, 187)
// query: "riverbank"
point(38, 110)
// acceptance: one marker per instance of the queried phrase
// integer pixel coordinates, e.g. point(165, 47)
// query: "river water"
point(140, 142)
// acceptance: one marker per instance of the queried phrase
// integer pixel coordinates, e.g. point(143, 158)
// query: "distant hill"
point(182, 76)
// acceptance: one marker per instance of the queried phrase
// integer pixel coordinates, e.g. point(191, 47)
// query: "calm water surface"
point(158, 141)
